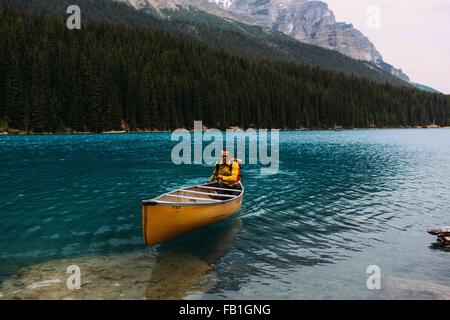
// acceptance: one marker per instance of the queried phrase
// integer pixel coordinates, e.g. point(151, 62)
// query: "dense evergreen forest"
point(111, 76)
point(222, 34)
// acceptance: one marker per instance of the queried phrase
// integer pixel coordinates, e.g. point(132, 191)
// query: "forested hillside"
point(215, 32)
point(108, 77)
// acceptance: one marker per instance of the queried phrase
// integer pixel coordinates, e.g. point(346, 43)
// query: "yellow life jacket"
point(230, 171)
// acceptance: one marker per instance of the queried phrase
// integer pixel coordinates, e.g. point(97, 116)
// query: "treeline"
point(111, 77)
point(217, 33)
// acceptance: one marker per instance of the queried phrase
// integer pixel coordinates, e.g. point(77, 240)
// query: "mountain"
point(209, 27)
point(424, 88)
point(112, 75)
point(392, 70)
point(213, 31)
point(310, 22)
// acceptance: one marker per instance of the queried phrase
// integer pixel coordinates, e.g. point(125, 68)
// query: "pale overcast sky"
point(414, 35)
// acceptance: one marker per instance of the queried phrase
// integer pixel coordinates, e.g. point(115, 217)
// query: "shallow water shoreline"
point(157, 276)
point(138, 275)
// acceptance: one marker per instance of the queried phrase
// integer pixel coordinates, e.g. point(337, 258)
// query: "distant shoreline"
point(18, 132)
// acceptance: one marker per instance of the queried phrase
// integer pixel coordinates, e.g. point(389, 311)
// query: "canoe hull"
point(161, 222)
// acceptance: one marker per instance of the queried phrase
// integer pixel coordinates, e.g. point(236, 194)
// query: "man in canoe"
point(226, 174)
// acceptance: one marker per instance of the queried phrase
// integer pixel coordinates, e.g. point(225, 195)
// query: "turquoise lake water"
point(342, 201)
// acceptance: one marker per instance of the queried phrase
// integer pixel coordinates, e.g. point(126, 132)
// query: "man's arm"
point(214, 174)
point(215, 171)
point(234, 174)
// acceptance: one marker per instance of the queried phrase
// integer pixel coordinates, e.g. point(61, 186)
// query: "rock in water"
point(443, 235)
point(132, 276)
point(177, 270)
point(415, 289)
point(439, 231)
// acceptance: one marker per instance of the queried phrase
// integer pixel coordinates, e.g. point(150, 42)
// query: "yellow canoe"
point(187, 209)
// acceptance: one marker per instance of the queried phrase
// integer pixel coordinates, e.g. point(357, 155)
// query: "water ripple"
point(339, 201)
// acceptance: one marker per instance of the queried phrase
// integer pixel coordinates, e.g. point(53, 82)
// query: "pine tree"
point(111, 77)
point(15, 97)
point(40, 94)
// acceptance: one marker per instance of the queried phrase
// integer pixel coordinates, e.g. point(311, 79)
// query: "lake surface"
point(342, 201)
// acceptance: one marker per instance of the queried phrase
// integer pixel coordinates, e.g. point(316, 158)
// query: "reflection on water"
point(174, 271)
point(440, 246)
point(342, 201)
point(181, 264)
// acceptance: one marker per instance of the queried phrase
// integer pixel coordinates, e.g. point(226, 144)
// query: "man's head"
point(225, 155)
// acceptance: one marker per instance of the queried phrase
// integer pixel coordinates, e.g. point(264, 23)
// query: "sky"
point(413, 35)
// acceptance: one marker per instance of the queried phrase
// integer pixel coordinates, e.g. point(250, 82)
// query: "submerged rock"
point(417, 289)
point(132, 276)
point(174, 276)
point(174, 271)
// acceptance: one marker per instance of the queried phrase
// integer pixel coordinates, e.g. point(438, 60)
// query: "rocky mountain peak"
point(311, 22)
point(158, 4)
point(223, 3)
point(307, 21)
